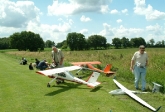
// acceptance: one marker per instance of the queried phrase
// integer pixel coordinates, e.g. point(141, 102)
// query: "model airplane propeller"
point(89, 66)
point(64, 74)
point(132, 95)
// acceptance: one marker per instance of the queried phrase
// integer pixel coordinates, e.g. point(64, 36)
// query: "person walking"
point(139, 63)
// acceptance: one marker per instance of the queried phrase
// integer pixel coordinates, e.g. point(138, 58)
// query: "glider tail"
point(107, 70)
point(158, 109)
point(92, 80)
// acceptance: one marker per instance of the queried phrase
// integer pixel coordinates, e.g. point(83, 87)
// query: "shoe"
point(143, 90)
point(137, 88)
point(58, 82)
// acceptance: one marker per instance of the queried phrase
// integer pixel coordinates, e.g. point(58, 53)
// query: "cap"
point(141, 46)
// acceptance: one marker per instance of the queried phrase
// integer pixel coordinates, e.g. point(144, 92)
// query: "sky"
point(54, 19)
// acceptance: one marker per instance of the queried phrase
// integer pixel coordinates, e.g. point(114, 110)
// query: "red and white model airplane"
point(89, 66)
point(64, 74)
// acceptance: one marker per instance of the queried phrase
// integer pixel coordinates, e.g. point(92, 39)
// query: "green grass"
point(23, 90)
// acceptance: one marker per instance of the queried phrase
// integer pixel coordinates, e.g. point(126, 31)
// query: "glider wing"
point(128, 92)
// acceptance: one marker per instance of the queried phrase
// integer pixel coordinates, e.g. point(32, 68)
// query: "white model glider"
point(132, 95)
point(120, 92)
point(64, 74)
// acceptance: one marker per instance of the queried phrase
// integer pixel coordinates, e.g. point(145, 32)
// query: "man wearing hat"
point(138, 66)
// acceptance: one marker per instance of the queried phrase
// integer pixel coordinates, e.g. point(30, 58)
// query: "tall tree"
point(16, 41)
point(49, 43)
point(76, 41)
point(27, 41)
point(4, 43)
point(125, 42)
point(97, 41)
point(152, 41)
point(117, 42)
point(138, 41)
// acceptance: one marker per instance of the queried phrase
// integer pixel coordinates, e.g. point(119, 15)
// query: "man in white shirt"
point(139, 62)
point(57, 57)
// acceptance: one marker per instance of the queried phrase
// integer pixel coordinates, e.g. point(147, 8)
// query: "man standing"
point(139, 62)
point(57, 57)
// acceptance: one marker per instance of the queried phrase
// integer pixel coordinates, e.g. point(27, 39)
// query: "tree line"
point(74, 41)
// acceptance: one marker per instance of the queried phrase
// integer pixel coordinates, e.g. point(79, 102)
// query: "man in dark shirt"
point(42, 65)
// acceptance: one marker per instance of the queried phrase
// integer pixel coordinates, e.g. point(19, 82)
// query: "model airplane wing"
point(120, 92)
point(89, 66)
point(84, 63)
point(135, 97)
point(50, 72)
point(64, 74)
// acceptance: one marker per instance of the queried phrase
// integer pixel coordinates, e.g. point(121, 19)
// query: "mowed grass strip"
point(23, 90)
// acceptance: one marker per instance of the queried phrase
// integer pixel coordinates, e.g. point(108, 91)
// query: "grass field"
point(23, 90)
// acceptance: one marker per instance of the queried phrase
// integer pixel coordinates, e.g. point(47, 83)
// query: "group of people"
point(139, 63)
point(57, 61)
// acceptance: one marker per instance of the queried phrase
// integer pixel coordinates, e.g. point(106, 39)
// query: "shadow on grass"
point(96, 89)
point(64, 87)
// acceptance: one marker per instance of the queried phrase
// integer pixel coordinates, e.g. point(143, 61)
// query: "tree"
point(152, 41)
point(163, 43)
point(117, 42)
point(49, 43)
point(4, 43)
point(16, 41)
point(62, 45)
point(97, 41)
point(136, 42)
point(125, 42)
point(76, 41)
point(26, 41)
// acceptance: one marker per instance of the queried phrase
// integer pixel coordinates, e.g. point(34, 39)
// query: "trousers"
point(140, 72)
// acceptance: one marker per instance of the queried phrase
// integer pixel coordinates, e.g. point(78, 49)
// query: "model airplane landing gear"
point(48, 85)
point(109, 74)
point(58, 81)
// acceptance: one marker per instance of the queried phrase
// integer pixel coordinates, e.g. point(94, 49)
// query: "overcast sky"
point(54, 19)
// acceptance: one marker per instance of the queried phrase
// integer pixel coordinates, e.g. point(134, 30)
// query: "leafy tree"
point(62, 44)
point(49, 43)
point(4, 43)
point(117, 42)
point(152, 41)
point(125, 42)
point(86, 44)
point(16, 41)
point(40, 43)
point(97, 41)
point(136, 42)
point(26, 41)
point(158, 44)
point(76, 41)
point(163, 43)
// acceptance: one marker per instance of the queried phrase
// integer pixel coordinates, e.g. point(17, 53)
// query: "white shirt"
point(140, 59)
